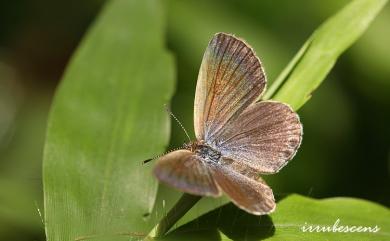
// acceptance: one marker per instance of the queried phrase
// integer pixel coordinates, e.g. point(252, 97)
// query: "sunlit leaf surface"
point(296, 218)
point(107, 117)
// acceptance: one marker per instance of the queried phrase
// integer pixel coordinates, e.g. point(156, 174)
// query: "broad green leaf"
point(106, 118)
point(294, 217)
point(322, 50)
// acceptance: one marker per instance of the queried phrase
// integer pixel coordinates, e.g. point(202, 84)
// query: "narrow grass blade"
point(331, 39)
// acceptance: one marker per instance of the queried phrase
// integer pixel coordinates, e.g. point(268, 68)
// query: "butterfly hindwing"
point(254, 196)
point(185, 171)
point(230, 79)
point(264, 137)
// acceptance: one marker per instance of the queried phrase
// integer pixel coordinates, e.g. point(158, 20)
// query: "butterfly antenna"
point(177, 120)
point(158, 156)
point(182, 127)
point(147, 160)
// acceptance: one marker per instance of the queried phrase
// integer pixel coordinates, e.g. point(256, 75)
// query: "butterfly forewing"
point(230, 79)
point(265, 136)
point(186, 171)
point(254, 196)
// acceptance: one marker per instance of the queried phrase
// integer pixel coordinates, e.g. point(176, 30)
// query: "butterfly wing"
point(230, 79)
point(264, 137)
point(186, 171)
point(253, 196)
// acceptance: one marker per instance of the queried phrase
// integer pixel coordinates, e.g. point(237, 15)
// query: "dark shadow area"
point(280, 196)
point(233, 222)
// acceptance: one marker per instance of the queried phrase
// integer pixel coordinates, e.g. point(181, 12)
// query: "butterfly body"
point(237, 138)
point(207, 153)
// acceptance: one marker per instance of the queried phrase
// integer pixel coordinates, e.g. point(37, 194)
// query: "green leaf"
point(107, 117)
point(294, 214)
point(317, 57)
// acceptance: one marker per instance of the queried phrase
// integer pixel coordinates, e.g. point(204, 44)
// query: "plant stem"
point(185, 203)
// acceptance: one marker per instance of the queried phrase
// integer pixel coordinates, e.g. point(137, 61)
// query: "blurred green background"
point(346, 144)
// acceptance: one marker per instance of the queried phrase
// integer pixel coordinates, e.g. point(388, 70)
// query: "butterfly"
point(237, 138)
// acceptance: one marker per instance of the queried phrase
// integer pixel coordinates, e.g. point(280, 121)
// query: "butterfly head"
point(192, 145)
